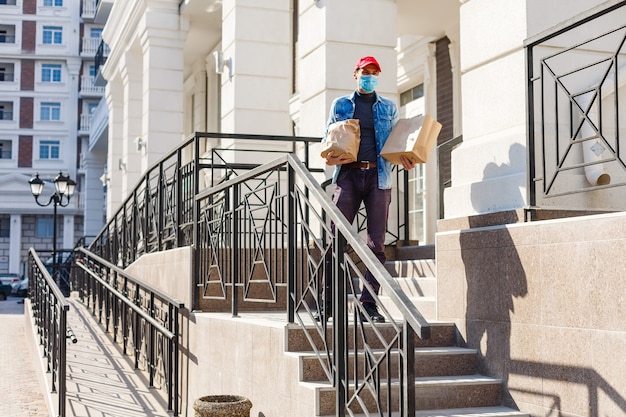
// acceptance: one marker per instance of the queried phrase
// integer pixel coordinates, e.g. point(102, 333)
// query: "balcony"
point(90, 47)
point(88, 9)
point(85, 123)
point(88, 88)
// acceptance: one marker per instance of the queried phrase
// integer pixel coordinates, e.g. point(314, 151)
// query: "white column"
point(162, 94)
point(327, 56)
point(16, 243)
point(68, 232)
point(489, 168)
point(256, 82)
point(131, 76)
point(115, 101)
point(93, 193)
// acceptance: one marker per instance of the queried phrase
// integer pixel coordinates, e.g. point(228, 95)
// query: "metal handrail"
point(231, 227)
point(389, 285)
point(120, 300)
point(570, 68)
point(246, 223)
point(50, 308)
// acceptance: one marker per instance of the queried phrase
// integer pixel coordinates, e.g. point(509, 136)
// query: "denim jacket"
point(385, 118)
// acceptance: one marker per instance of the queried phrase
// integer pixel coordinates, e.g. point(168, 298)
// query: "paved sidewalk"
point(101, 381)
point(19, 381)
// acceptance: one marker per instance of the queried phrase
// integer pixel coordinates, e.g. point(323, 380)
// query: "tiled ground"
point(101, 381)
point(22, 392)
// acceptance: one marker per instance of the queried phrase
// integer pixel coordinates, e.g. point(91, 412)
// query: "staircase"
point(446, 380)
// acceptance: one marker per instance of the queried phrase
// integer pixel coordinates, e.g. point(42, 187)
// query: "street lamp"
point(64, 186)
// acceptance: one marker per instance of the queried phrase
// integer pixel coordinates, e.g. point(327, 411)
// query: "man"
point(367, 180)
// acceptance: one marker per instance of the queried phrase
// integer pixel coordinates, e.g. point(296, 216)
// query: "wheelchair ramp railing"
point(49, 309)
point(141, 319)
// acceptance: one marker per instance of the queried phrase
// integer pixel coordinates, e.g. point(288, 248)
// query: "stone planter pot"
point(222, 406)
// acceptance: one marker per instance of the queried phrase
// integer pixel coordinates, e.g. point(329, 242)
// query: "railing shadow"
point(595, 384)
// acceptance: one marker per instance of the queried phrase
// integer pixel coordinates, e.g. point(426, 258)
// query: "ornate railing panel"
point(159, 213)
point(576, 84)
point(270, 229)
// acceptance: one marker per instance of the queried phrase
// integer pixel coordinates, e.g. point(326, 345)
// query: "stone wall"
point(543, 302)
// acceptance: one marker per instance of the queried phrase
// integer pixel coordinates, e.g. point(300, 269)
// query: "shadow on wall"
point(495, 276)
point(487, 194)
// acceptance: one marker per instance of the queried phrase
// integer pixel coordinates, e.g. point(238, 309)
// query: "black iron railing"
point(266, 235)
point(159, 213)
point(142, 319)
point(575, 76)
point(49, 309)
point(262, 234)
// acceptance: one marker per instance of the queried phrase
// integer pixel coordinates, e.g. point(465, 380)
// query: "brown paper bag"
point(413, 138)
point(343, 137)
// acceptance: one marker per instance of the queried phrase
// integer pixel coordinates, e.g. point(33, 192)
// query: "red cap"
point(365, 61)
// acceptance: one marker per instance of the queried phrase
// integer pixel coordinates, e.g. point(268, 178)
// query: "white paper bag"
point(414, 138)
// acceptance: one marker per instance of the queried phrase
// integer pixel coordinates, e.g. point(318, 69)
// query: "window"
point(5, 225)
point(95, 33)
point(45, 227)
point(51, 73)
point(50, 111)
point(49, 149)
point(92, 107)
point(51, 3)
point(52, 35)
point(5, 149)
point(92, 70)
point(414, 93)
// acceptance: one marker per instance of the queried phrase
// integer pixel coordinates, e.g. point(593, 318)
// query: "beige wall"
point(169, 271)
point(543, 302)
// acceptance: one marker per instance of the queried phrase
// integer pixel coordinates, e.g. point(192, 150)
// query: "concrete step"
point(427, 306)
point(412, 268)
point(414, 252)
point(440, 361)
point(441, 335)
point(465, 412)
point(431, 393)
point(473, 412)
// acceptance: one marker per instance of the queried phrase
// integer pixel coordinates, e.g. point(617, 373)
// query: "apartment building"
point(47, 94)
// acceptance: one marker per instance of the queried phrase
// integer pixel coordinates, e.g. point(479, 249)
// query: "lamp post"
point(64, 187)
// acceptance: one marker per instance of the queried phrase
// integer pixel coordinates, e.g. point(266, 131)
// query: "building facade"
point(274, 67)
point(47, 94)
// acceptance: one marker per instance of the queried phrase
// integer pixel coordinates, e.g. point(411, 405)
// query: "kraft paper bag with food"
point(413, 138)
point(344, 137)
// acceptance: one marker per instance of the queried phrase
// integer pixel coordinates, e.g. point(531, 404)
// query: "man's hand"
point(331, 159)
point(407, 163)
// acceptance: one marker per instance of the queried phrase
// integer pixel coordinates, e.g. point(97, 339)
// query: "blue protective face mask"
point(368, 83)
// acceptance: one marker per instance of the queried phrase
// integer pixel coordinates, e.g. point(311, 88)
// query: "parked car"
point(7, 280)
point(20, 288)
point(10, 278)
point(5, 290)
